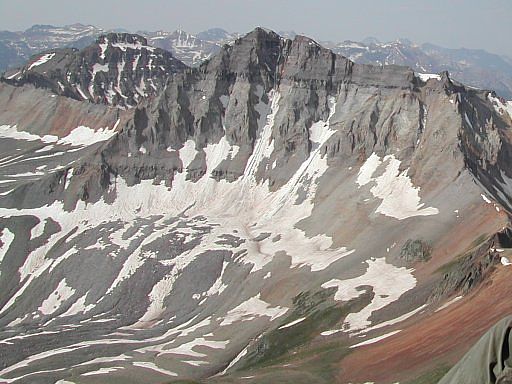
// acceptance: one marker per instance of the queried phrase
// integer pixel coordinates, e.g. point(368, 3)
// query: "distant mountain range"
point(190, 49)
point(475, 67)
point(17, 47)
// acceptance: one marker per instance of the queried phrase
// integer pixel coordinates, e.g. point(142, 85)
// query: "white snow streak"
point(153, 367)
point(103, 47)
point(7, 237)
point(448, 303)
point(137, 46)
point(375, 339)
point(43, 59)
point(292, 323)
point(102, 371)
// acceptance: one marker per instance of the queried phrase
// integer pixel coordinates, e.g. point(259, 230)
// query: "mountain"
point(277, 214)
point(217, 35)
point(118, 69)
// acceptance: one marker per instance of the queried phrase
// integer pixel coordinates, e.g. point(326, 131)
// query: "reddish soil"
point(433, 339)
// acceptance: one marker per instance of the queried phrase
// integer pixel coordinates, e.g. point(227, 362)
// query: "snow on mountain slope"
point(119, 69)
point(278, 192)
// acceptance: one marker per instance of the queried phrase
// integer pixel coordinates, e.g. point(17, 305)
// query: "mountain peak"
point(214, 34)
point(118, 37)
point(261, 33)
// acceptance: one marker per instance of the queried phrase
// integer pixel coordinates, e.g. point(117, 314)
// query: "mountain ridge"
point(474, 67)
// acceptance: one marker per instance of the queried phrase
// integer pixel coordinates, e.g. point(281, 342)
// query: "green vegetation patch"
point(431, 377)
point(320, 312)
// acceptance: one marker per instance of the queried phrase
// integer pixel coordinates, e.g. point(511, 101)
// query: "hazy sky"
point(483, 24)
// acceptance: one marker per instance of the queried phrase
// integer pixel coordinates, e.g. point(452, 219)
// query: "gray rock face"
point(222, 97)
point(415, 250)
point(119, 69)
point(277, 178)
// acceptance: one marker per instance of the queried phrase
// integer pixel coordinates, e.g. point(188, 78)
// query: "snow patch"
point(368, 169)
point(56, 298)
point(136, 46)
point(400, 198)
point(375, 339)
point(448, 303)
point(153, 367)
point(251, 309)
point(427, 76)
point(82, 136)
point(502, 107)
point(292, 323)
point(11, 132)
point(388, 282)
point(37, 230)
point(102, 371)
point(485, 198)
point(188, 348)
point(43, 59)
point(7, 238)
point(188, 153)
